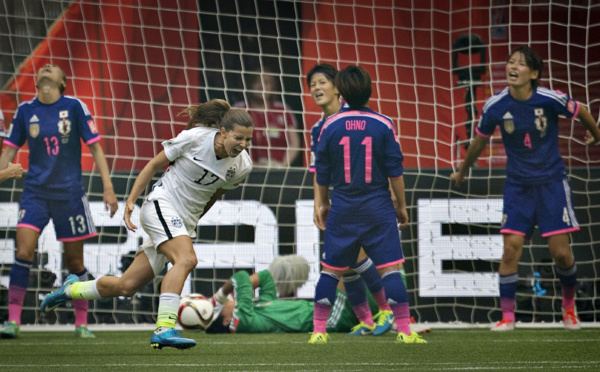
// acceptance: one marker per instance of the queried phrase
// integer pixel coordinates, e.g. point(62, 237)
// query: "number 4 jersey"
point(53, 134)
point(530, 133)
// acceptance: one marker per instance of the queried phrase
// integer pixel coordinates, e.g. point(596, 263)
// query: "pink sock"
point(320, 318)
point(508, 308)
point(16, 297)
point(380, 300)
point(80, 307)
point(363, 313)
point(402, 315)
point(568, 296)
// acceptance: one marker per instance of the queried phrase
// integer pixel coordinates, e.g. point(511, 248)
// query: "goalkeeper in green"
point(237, 311)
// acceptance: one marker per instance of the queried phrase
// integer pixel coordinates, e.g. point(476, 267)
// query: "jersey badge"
point(34, 130)
point(64, 128)
point(176, 222)
point(541, 122)
point(231, 172)
point(509, 124)
point(63, 114)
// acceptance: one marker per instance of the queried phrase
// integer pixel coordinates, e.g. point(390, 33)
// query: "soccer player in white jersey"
point(53, 125)
point(13, 170)
point(536, 191)
point(205, 160)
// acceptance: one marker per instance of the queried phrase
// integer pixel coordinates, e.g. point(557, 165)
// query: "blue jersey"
point(357, 152)
point(53, 134)
point(529, 132)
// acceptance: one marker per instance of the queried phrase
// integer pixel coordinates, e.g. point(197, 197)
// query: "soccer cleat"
point(10, 330)
point(383, 322)
point(570, 319)
point(414, 338)
point(171, 338)
point(504, 325)
point(361, 329)
point(318, 338)
point(84, 332)
point(56, 298)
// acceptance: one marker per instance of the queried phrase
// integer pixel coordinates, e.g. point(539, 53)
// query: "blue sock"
point(395, 291)
point(369, 274)
point(567, 277)
point(508, 285)
point(326, 286)
point(355, 289)
point(19, 273)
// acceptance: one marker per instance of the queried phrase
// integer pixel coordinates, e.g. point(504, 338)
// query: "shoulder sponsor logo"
point(92, 126)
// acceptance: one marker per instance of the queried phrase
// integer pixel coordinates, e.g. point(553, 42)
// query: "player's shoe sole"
point(171, 338)
point(58, 297)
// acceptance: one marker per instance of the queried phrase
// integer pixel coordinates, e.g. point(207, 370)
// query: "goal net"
point(137, 64)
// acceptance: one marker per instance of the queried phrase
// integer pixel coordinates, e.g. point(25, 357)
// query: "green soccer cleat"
point(84, 332)
point(361, 329)
point(414, 338)
point(56, 298)
point(318, 338)
point(10, 330)
point(384, 320)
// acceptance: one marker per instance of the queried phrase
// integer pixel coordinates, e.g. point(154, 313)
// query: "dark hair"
point(533, 60)
point(217, 326)
point(324, 68)
point(216, 113)
point(354, 85)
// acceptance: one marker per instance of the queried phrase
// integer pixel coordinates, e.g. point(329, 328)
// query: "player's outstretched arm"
point(475, 149)
point(108, 194)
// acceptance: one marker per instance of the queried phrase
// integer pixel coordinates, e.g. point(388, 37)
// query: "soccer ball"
point(195, 312)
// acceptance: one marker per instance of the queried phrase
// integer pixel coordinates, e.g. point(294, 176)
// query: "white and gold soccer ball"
point(195, 312)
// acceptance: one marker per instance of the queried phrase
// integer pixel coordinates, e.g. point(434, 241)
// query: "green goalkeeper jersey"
point(272, 315)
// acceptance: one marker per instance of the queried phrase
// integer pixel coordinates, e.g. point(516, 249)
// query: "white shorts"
point(161, 222)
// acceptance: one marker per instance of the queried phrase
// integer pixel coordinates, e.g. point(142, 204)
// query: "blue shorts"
point(72, 218)
point(343, 239)
point(549, 206)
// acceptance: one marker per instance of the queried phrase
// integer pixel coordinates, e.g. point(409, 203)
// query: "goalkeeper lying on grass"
point(240, 313)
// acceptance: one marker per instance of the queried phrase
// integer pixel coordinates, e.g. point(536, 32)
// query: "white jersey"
point(196, 173)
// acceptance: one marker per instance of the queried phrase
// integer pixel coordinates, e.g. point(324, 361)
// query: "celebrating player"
point(53, 126)
point(206, 160)
point(359, 155)
point(536, 191)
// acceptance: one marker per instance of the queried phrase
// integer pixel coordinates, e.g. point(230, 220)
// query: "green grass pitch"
point(446, 350)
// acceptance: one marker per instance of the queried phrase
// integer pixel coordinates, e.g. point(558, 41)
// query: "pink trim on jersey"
point(77, 238)
point(481, 134)
point(8, 143)
point(563, 231)
point(312, 170)
point(28, 226)
point(509, 231)
point(359, 113)
point(93, 140)
point(334, 268)
point(576, 109)
point(390, 263)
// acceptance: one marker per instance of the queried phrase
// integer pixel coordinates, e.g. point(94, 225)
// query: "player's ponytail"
point(208, 114)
